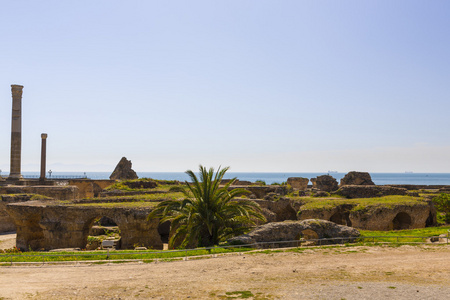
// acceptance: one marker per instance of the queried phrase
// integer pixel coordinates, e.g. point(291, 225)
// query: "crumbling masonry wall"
point(51, 226)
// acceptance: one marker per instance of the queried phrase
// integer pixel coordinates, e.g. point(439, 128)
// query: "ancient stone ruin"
point(123, 171)
point(369, 191)
point(16, 133)
point(294, 230)
point(298, 183)
point(325, 183)
point(357, 178)
point(51, 226)
point(376, 217)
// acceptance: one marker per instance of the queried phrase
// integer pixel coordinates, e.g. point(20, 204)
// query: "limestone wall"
point(50, 226)
point(377, 217)
point(56, 192)
point(88, 188)
point(6, 222)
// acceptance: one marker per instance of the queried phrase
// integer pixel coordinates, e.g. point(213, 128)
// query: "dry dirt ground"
point(7, 240)
point(407, 272)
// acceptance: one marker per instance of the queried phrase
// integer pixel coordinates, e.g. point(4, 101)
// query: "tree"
point(442, 204)
point(208, 214)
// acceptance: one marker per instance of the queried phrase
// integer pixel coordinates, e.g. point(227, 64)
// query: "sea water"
point(278, 177)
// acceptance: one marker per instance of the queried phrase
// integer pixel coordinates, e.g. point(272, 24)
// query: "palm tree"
point(208, 213)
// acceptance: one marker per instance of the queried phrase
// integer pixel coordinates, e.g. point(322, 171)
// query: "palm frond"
point(209, 213)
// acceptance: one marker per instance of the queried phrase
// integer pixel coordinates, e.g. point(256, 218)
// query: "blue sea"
point(377, 178)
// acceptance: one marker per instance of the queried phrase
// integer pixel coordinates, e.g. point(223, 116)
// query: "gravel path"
point(407, 272)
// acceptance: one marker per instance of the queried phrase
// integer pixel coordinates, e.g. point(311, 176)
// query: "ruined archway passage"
point(341, 218)
point(401, 221)
point(164, 231)
point(103, 228)
point(309, 234)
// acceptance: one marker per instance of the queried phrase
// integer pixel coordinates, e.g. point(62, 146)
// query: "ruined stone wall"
point(50, 226)
point(56, 192)
point(6, 222)
point(377, 217)
point(88, 188)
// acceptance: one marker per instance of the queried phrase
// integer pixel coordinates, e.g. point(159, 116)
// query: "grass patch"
point(142, 184)
point(360, 204)
point(239, 294)
point(138, 201)
point(147, 256)
point(390, 236)
point(137, 204)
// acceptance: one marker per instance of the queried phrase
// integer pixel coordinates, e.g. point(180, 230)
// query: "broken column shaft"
point(43, 155)
point(16, 133)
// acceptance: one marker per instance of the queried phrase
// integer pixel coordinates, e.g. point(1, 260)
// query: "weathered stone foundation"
point(294, 230)
point(51, 226)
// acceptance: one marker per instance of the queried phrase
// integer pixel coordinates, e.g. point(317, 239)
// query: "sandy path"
point(7, 240)
point(339, 273)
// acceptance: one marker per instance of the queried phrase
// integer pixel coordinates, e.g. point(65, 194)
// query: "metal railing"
point(55, 177)
point(258, 246)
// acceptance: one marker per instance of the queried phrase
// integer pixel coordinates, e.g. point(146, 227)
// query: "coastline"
point(279, 177)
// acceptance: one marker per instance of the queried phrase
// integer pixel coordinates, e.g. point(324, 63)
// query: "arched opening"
point(431, 220)
point(338, 218)
point(96, 189)
point(309, 234)
point(164, 232)
point(401, 221)
point(347, 219)
point(341, 218)
point(288, 213)
point(32, 233)
point(103, 232)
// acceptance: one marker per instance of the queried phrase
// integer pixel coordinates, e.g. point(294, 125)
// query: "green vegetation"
point(239, 294)
point(134, 204)
point(15, 255)
point(142, 200)
point(390, 236)
point(360, 204)
point(442, 204)
point(283, 183)
point(208, 214)
point(142, 184)
point(148, 255)
point(40, 197)
point(31, 196)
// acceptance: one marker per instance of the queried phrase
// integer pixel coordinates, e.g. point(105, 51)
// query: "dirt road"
point(407, 272)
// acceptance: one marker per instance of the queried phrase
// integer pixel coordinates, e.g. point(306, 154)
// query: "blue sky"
point(288, 86)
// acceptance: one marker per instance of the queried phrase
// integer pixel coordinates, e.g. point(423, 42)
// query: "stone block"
point(298, 183)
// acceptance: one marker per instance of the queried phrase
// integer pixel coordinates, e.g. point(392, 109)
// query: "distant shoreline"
point(279, 177)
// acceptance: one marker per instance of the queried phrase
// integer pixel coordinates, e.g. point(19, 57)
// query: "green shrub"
point(442, 204)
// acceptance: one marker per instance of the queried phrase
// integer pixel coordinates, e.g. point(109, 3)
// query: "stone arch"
point(288, 213)
point(431, 220)
point(401, 221)
point(338, 218)
point(107, 219)
point(341, 218)
point(32, 233)
point(96, 189)
point(309, 234)
point(164, 231)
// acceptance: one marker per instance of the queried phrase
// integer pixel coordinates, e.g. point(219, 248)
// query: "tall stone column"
point(16, 133)
point(43, 156)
